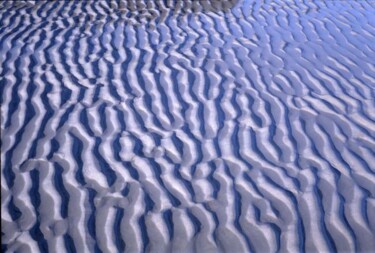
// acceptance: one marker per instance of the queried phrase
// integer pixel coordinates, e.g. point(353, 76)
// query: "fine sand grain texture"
point(187, 126)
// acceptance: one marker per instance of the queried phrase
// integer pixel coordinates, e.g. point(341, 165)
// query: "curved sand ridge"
point(147, 126)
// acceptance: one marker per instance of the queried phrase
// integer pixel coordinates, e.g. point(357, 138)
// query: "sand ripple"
point(187, 126)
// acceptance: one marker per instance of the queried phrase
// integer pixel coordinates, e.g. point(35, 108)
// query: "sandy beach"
point(187, 126)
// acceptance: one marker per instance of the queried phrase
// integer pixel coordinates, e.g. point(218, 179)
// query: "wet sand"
point(187, 126)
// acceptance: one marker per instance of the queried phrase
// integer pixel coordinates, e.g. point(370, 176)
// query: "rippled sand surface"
point(187, 126)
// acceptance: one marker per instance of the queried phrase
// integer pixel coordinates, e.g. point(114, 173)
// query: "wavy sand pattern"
point(187, 126)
